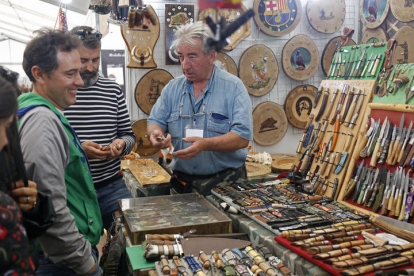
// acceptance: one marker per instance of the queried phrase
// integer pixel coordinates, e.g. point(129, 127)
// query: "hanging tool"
point(365, 184)
point(305, 131)
point(385, 143)
point(331, 103)
point(376, 153)
point(362, 178)
point(380, 180)
point(361, 58)
point(399, 197)
point(394, 193)
point(404, 198)
point(382, 189)
point(317, 95)
point(406, 141)
point(392, 141)
point(366, 65)
point(374, 141)
point(352, 123)
point(408, 90)
point(409, 203)
point(340, 103)
point(395, 151)
point(366, 193)
point(350, 111)
point(365, 150)
point(320, 137)
point(353, 181)
point(344, 155)
point(323, 105)
point(363, 140)
point(387, 193)
point(348, 104)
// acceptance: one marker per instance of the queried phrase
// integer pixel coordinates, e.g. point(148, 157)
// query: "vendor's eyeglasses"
point(85, 33)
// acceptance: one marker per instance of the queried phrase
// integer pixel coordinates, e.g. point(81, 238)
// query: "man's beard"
point(89, 80)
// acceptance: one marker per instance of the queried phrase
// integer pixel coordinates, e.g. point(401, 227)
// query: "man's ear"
point(212, 56)
point(38, 74)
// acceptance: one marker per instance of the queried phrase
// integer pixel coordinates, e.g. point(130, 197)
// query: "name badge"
point(194, 132)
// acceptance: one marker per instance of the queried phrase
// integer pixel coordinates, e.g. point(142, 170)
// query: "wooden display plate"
point(329, 51)
point(402, 10)
point(367, 13)
point(142, 145)
point(141, 171)
point(298, 105)
point(405, 42)
point(326, 16)
point(282, 162)
point(225, 62)
point(373, 36)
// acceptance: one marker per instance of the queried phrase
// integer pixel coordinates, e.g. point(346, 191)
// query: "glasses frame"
point(83, 34)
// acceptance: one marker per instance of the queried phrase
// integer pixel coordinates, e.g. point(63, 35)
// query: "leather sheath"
point(330, 254)
point(373, 252)
point(323, 106)
point(396, 262)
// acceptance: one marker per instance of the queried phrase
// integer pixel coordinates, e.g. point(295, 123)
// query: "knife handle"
point(361, 194)
point(162, 237)
point(384, 152)
point(360, 147)
point(384, 207)
point(409, 156)
point(367, 196)
point(358, 191)
point(374, 157)
point(390, 152)
point(330, 165)
point(390, 202)
point(402, 210)
point(350, 188)
point(323, 166)
point(398, 205)
point(400, 155)
point(412, 210)
point(401, 162)
point(396, 153)
point(393, 202)
point(350, 113)
point(371, 199)
point(378, 197)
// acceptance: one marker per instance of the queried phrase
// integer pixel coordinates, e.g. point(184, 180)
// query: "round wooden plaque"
point(142, 145)
point(373, 12)
point(269, 123)
point(258, 69)
point(326, 16)
point(405, 40)
point(300, 58)
point(225, 62)
point(403, 10)
point(298, 105)
point(230, 15)
point(277, 18)
point(329, 51)
point(149, 88)
point(374, 36)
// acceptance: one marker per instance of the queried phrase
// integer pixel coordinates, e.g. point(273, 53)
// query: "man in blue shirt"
point(207, 115)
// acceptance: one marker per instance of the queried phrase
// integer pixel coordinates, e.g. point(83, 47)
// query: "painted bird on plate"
point(299, 59)
point(259, 70)
point(373, 8)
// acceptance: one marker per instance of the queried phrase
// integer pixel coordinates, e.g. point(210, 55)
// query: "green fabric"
point(81, 196)
point(136, 258)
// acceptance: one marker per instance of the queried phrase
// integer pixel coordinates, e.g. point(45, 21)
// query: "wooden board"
point(277, 18)
point(373, 12)
point(403, 10)
point(149, 88)
point(148, 173)
point(300, 58)
point(298, 105)
point(230, 15)
point(405, 42)
point(329, 51)
point(142, 145)
point(258, 69)
point(175, 16)
point(326, 16)
point(374, 36)
point(269, 123)
point(141, 43)
point(225, 62)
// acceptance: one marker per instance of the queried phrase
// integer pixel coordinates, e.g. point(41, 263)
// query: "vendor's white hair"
point(185, 35)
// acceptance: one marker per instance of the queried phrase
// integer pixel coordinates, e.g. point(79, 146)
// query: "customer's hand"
point(162, 142)
point(197, 146)
point(26, 197)
point(93, 150)
point(115, 149)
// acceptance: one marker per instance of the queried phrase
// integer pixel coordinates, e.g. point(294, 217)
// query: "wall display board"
point(298, 105)
point(329, 51)
point(149, 88)
point(373, 12)
point(403, 10)
point(269, 123)
point(230, 15)
point(373, 36)
point(142, 145)
point(141, 41)
point(300, 58)
point(326, 16)
point(258, 69)
point(175, 16)
point(225, 62)
point(277, 18)
point(405, 42)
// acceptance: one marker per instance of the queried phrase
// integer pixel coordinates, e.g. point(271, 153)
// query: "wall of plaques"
point(284, 84)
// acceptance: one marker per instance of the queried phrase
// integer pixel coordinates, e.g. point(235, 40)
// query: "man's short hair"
point(185, 35)
point(90, 37)
point(42, 50)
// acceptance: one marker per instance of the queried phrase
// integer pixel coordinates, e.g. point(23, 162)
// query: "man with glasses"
point(100, 118)
point(207, 115)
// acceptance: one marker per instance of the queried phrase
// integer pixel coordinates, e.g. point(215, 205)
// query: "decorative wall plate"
point(149, 88)
point(374, 12)
point(258, 69)
point(269, 123)
point(277, 18)
point(175, 16)
point(329, 51)
point(142, 145)
point(405, 41)
point(141, 42)
point(374, 36)
point(230, 15)
point(326, 16)
point(300, 58)
point(225, 62)
point(298, 105)
point(403, 10)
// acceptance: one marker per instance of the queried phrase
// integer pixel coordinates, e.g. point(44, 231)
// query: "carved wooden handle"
point(160, 237)
point(360, 147)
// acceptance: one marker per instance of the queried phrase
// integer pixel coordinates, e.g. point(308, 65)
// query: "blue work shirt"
point(223, 106)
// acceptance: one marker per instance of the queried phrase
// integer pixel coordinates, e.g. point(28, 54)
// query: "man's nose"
point(78, 81)
point(90, 67)
point(185, 64)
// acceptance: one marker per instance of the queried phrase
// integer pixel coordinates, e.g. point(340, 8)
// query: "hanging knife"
point(352, 61)
point(386, 143)
point(355, 72)
point(305, 131)
point(344, 154)
point(315, 134)
point(364, 185)
point(400, 194)
point(336, 132)
point(366, 173)
point(381, 180)
point(407, 150)
point(351, 110)
point(387, 193)
point(394, 200)
point(331, 103)
point(368, 189)
point(340, 103)
point(393, 147)
point(382, 189)
point(406, 140)
point(334, 60)
point(320, 137)
point(357, 110)
point(375, 155)
point(397, 178)
point(352, 183)
point(308, 135)
point(323, 105)
point(374, 139)
point(366, 65)
point(398, 145)
point(348, 104)
point(317, 95)
point(409, 204)
point(363, 140)
point(404, 199)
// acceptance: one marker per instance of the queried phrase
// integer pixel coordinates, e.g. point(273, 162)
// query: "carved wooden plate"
point(142, 145)
point(405, 40)
point(149, 88)
point(298, 105)
point(258, 69)
point(300, 58)
point(225, 62)
point(403, 10)
point(373, 12)
point(269, 123)
point(326, 16)
point(329, 51)
point(374, 36)
point(230, 15)
point(277, 18)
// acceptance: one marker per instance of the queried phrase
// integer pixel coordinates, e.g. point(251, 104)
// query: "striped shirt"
point(100, 115)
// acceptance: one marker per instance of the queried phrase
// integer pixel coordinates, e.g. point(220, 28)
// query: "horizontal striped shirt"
point(100, 115)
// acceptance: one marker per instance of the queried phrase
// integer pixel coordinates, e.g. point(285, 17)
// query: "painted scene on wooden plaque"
point(259, 71)
point(373, 9)
point(300, 58)
point(278, 14)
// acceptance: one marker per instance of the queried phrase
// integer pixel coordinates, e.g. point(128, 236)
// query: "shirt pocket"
point(173, 125)
point(218, 122)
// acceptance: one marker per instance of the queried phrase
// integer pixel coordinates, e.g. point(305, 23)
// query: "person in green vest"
point(54, 157)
